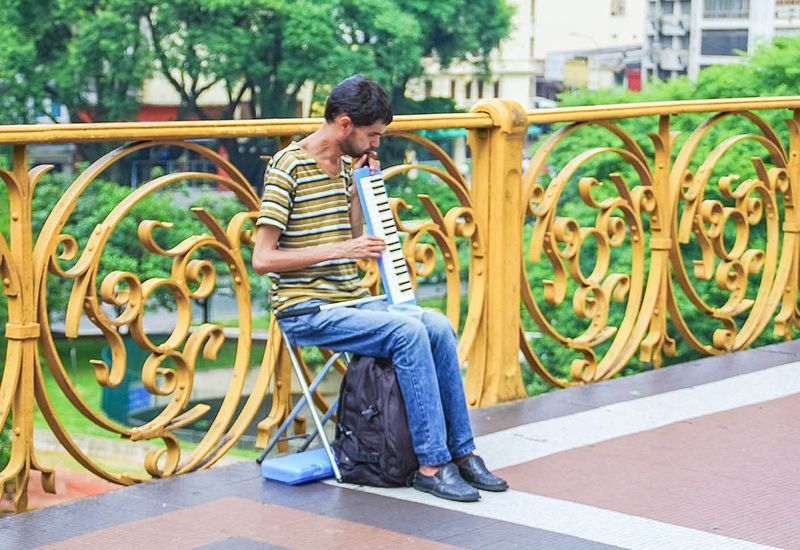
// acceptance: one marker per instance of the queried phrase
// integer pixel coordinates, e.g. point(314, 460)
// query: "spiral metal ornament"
point(560, 240)
point(169, 369)
point(446, 230)
point(720, 217)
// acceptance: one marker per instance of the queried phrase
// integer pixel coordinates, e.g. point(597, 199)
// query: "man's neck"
point(324, 149)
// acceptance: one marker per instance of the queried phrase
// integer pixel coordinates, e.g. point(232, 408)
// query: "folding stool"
point(306, 399)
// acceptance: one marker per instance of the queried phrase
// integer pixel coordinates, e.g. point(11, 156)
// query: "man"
point(309, 234)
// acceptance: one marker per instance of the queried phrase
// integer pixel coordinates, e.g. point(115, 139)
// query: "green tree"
point(22, 79)
point(262, 51)
point(94, 55)
point(455, 30)
point(89, 55)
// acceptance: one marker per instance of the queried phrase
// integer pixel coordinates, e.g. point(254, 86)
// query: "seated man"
point(308, 238)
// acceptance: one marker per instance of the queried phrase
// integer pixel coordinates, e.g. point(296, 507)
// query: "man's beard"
point(348, 148)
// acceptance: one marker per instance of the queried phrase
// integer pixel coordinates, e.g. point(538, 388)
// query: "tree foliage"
point(88, 55)
point(94, 55)
point(269, 49)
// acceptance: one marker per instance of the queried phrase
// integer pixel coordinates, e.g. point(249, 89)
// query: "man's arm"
point(356, 213)
point(268, 257)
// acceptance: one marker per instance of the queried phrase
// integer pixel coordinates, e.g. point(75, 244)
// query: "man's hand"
point(365, 246)
point(372, 158)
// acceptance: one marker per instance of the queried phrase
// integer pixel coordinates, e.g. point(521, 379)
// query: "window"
point(468, 90)
point(723, 42)
point(453, 87)
point(428, 88)
point(617, 8)
point(726, 9)
point(496, 90)
point(787, 9)
point(480, 88)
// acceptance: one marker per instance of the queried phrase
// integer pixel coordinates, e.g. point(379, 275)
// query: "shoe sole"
point(447, 497)
point(493, 489)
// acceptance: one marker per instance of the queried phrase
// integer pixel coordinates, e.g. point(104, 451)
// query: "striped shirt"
point(311, 207)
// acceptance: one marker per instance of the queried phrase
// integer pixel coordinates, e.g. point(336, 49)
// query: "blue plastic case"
point(298, 468)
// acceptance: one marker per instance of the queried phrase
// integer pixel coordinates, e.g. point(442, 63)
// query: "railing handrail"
point(198, 129)
point(630, 110)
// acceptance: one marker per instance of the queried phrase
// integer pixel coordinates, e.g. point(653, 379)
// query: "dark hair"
point(360, 98)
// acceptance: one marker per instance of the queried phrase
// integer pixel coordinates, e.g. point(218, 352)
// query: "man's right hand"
point(365, 246)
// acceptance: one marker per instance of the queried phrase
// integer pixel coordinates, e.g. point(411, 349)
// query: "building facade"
point(685, 36)
point(554, 44)
point(511, 74)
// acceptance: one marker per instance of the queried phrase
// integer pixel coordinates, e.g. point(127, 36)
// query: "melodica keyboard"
point(380, 223)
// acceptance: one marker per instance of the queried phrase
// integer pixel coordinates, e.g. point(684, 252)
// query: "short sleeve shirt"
point(311, 208)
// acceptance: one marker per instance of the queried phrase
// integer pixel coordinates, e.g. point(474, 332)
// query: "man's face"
point(360, 140)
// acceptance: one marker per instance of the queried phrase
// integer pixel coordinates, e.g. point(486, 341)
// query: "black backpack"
point(373, 444)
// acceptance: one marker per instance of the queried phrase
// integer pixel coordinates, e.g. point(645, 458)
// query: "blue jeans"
point(425, 355)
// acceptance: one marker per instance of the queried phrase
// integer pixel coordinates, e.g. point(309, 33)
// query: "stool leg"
point(310, 438)
point(297, 408)
point(312, 408)
point(334, 406)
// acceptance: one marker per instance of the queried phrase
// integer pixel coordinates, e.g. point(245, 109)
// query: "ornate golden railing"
point(631, 243)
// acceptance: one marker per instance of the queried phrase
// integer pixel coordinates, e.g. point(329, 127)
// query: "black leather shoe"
point(474, 472)
point(446, 483)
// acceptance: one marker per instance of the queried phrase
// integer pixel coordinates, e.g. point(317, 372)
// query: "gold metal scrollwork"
point(170, 367)
point(687, 227)
point(618, 220)
point(730, 262)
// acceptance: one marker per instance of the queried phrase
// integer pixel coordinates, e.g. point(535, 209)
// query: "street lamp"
point(582, 35)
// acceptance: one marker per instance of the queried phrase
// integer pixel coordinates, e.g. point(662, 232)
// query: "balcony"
point(675, 25)
point(670, 59)
point(726, 9)
point(622, 255)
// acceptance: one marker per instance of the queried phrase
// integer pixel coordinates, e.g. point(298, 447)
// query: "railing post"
point(494, 369)
point(21, 331)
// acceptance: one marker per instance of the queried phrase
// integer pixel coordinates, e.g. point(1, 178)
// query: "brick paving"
point(699, 455)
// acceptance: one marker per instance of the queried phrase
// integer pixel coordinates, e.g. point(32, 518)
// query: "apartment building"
point(684, 36)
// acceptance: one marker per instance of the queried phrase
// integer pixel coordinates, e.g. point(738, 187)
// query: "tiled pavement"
point(699, 455)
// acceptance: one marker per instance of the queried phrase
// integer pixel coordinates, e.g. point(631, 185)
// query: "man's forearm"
point(281, 259)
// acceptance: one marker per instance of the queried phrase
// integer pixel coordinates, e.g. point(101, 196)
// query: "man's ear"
point(345, 124)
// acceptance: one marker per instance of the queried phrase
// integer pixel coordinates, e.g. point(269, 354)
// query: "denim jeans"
point(425, 355)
